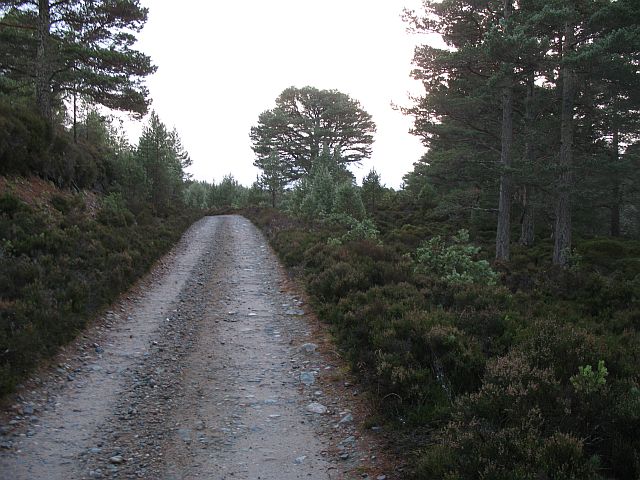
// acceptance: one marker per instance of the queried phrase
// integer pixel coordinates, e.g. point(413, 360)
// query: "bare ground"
point(198, 372)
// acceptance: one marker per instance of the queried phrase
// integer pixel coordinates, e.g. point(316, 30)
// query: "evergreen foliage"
point(454, 263)
point(196, 195)
point(372, 191)
point(319, 199)
point(227, 195)
point(568, 74)
point(348, 201)
point(273, 177)
point(306, 123)
point(163, 158)
point(74, 48)
point(520, 369)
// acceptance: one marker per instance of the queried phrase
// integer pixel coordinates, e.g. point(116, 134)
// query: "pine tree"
point(458, 117)
point(320, 190)
point(182, 157)
point(273, 177)
point(77, 47)
point(564, 76)
point(306, 121)
point(503, 234)
point(162, 156)
point(348, 201)
point(372, 191)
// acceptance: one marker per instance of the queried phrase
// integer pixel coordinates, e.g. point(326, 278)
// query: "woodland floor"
point(198, 372)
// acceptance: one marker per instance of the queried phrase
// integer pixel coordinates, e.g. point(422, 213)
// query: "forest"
point(489, 306)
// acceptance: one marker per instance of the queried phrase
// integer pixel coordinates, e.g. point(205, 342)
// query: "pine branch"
point(16, 25)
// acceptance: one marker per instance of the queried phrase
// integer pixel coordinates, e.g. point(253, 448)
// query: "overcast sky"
point(221, 63)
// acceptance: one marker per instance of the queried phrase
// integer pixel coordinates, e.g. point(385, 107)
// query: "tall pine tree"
point(77, 47)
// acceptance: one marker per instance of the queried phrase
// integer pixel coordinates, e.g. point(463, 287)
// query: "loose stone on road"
point(209, 371)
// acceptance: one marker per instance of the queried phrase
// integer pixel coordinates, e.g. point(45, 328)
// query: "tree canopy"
point(530, 102)
point(163, 157)
point(305, 122)
point(57, 48)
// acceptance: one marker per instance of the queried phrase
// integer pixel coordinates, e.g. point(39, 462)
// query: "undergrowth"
point(60, 267)
point(529, 372)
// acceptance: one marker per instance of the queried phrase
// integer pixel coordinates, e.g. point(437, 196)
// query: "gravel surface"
point(210, 367)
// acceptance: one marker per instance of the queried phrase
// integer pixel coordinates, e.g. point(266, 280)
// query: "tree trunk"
point(527, 233)
point(527, 224)
point(504, 206)
point(75, 116)
point(503, 237)
point(562, 227)
point(43, 62)
point(615, 206)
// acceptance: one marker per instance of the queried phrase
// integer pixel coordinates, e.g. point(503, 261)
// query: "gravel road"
point(209, 368)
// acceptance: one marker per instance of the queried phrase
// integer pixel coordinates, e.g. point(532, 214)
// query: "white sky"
point(221, 63)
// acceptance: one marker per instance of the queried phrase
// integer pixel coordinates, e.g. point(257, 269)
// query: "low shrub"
point(454, 263)
point(531, 374)
point(508, 429)
point(114, 211)
point(601, 252)
point(57, 272)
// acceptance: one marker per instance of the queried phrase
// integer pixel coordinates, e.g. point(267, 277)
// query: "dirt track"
point(205, 370)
